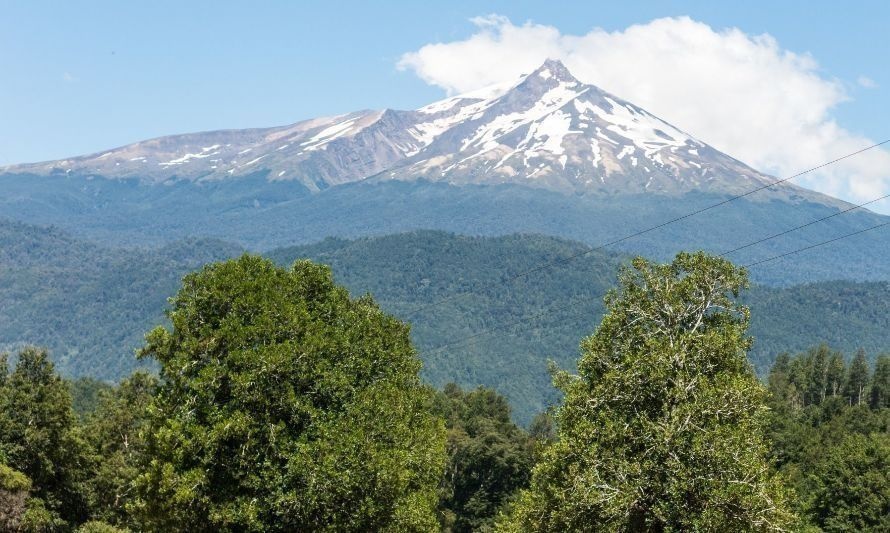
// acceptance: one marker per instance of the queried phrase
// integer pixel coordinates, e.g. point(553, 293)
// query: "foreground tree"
point(489, 457)
point(662, 430)
point(39, 439)
point(284, 405)
point(852, 485)
point(116, 431)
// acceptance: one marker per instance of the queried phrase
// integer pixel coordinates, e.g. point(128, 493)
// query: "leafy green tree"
point(489, 457)
point(285, 405)
point(85, 395)
point(14, 488)
point(880, 388)
point(39, 438)
point(115, 431)
point(853, 485)
point(662, 430)
point(856, 390)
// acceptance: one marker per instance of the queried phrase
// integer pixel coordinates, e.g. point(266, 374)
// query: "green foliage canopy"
point(662, 428)
point(285, 405)
point(831, 445)
point(489, 457)
point(116, 432)
point(39, 438)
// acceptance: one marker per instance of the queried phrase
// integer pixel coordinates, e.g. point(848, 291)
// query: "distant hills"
point(91, 304)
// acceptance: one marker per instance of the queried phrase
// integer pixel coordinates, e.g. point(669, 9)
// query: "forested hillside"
point(88, 304)
point(261, 215)
point(541, 316)
point(91, 305)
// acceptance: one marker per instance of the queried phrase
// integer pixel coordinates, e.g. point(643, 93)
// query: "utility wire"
point(650, 229)
point(786, 232)
point(773, 258)
point(749, 265)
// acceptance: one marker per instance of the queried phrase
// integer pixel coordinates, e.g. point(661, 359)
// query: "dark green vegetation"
point(662, 428)
point(40, 440)
point(91, 305)
point(261, 215)
point(489, 457)
point(88, 304)
point(58, 471)
point(284, 403)
point(406, 272)
point(830, 435)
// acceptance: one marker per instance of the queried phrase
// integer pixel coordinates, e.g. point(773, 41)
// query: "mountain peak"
point(554, 68)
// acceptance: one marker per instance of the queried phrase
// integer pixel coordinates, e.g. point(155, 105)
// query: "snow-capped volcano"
point(546, 130)
point(550, 130)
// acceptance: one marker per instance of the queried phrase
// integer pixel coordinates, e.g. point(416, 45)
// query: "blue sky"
point(82, 77)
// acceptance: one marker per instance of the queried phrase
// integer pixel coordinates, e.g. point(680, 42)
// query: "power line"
point(773, 258)
point(650, 229)
point(786, 232)
point(547, 311)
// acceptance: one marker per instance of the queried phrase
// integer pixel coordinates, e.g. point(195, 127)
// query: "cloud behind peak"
point(744, 94)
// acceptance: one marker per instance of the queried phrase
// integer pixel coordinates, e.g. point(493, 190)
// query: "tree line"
point(284, 404)
point(830, 434)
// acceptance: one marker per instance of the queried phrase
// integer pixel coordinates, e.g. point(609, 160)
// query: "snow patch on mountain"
point(486, 136)
point(325, 136)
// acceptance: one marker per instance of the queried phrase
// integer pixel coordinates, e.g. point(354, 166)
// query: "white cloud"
point(743, 94)
point(866, 82)
point(68, 77)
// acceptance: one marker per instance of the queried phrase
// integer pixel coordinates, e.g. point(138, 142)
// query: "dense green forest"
point(284, 404)
point(91, 305)
point(473, 277)
point(829, 429)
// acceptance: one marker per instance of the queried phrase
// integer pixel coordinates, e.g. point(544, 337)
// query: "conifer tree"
point(836, 373)
point(817, 379)
point(39, 438)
